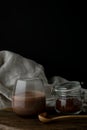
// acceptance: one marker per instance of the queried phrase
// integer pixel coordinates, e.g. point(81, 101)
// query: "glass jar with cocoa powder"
point(68, 98)
point(29, 97)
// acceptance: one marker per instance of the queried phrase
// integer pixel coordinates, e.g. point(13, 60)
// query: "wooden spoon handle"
point(69, 117)
point(42, 117)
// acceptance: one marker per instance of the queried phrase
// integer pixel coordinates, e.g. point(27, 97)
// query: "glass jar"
point(29, 97)
point(68, 98)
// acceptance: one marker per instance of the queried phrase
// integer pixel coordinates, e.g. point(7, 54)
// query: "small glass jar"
point(29, 97)
point(68, 98)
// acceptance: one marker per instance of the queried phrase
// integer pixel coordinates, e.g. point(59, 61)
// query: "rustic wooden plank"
point(10, 121)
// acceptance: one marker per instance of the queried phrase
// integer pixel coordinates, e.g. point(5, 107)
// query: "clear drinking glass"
point(29, 97)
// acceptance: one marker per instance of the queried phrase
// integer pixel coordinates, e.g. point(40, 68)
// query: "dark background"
point(54, 36)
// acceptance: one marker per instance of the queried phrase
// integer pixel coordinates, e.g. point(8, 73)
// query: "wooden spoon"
point(43, 117)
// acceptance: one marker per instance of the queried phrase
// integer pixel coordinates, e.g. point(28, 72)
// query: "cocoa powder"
point(70, 105)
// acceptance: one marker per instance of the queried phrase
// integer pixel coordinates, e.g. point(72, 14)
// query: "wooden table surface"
point(10, 121)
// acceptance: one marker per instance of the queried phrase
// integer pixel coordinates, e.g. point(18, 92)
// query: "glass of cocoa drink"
point(29, 97)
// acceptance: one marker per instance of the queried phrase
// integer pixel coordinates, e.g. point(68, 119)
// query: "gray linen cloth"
point(14, 66)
